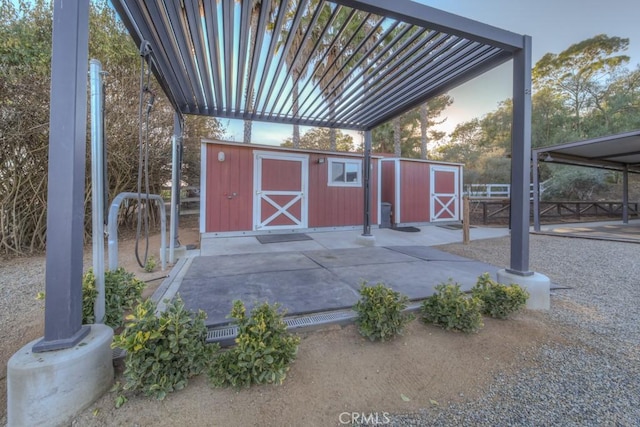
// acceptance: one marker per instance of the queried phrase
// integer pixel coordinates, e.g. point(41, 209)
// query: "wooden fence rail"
point(496, 211)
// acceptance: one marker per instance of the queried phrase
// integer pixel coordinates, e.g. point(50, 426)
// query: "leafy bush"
point(263, 352)
point(450, 308)
point(121, 292)
point(499, 300)
point(380, 312)
point(150, 265)
point(163, 352)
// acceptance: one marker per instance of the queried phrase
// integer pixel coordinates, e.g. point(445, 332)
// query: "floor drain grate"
point(226, 335)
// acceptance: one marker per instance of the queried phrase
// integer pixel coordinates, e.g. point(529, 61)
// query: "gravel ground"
point(590, 376)
point(591, 380)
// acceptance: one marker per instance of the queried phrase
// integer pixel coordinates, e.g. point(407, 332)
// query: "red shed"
point(422, 191)
point(247, 188)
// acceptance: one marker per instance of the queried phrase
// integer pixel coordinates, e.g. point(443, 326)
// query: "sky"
point(553, 25)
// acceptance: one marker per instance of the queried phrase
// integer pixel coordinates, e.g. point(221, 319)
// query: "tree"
point(320, 139)
point(25, 70)
point(256, 7)
point(411, 128)
point(342, 52)
point(581, 72)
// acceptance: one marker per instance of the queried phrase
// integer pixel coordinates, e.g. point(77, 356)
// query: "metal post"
point(367, 187)
point(521, 160)
point(536, 191)
point(625, 195)
point(65, 199)
point(97, 186)
point(176, 162)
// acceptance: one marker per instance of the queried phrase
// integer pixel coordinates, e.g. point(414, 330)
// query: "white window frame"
point(357, 162)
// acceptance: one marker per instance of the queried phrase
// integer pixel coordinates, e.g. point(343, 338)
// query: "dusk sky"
point(553, 25)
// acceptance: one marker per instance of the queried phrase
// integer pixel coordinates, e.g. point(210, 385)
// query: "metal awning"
point(613, 152)
point(349, 64)
point(620, 152)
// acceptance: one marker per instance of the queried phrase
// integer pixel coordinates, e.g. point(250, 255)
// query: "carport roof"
point(614, 152)
point(350, 64)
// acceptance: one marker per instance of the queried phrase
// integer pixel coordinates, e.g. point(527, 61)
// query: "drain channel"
point(226, 335)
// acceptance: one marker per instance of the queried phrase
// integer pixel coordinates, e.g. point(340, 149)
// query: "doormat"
point(282, 238)
point(454, 226)
point(406, 229)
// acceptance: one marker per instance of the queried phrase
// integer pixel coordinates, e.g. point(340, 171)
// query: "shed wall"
point(328, 206)
point(414, 192)
point(229, 189)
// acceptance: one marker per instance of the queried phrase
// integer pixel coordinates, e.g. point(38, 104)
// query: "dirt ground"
point(337, 372)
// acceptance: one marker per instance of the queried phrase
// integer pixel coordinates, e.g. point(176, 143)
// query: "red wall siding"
point(234, 175)
point(327, 206)
point(337, 206)
point(414, 192)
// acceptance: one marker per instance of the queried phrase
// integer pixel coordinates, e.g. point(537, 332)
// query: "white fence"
point(494, 191)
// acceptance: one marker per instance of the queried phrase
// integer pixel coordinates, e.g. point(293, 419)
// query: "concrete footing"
point(366, 240)
point(50, 388)
point(538, 286)
point(179, 252)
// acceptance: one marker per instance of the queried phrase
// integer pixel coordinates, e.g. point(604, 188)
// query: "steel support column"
point(521, 160)
point(366, 174)
point(65, 199)
point(625, 195)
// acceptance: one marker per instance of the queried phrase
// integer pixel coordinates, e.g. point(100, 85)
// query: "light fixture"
point(221, 156)
point(321, 160)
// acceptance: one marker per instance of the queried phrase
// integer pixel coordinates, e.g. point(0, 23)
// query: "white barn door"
point(445, 193)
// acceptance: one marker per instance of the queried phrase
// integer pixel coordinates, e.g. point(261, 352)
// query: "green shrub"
point(263, 352)
point(450, 308)
point(121, 292)
point(150, 265)
point(163, 352)
point(380, 312)
point(499, 300)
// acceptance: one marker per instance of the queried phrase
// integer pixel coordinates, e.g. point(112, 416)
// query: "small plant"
point(380, 312)
point(263, 352)
point(163, 352)
point(121, 292)
point(450, 308)
point(150, 265)
point(499, 300)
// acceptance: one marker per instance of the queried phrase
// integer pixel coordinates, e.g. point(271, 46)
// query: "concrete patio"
point(318, 275)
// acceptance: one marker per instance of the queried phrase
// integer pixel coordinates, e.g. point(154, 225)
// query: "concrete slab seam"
point(174, 286)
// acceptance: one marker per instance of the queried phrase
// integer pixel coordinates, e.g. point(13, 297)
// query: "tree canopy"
point(320, 139)
point(585, 91)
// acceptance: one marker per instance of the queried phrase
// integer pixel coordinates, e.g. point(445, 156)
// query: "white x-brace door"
point(445, 196)
point(280, 180)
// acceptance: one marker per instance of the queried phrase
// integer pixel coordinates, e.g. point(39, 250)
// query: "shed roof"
point(350, 64)
point(614, 152)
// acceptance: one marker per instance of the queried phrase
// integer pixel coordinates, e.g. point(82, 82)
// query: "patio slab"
point(318, 281)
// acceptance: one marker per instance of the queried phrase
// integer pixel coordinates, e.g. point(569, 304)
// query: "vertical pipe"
point(175, 187)
point(97, 186)
point(536, 191)
point(176, 164)
point(625, 195)
point(65, 199)
point(521, 160)
point(367, 185)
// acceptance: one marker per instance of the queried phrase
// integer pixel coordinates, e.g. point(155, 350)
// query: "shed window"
point(345, 172)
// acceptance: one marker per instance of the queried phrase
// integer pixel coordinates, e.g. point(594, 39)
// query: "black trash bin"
point(385, 218)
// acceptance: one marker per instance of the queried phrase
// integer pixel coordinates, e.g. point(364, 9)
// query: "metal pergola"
point(620, 152)
point(348, 64)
